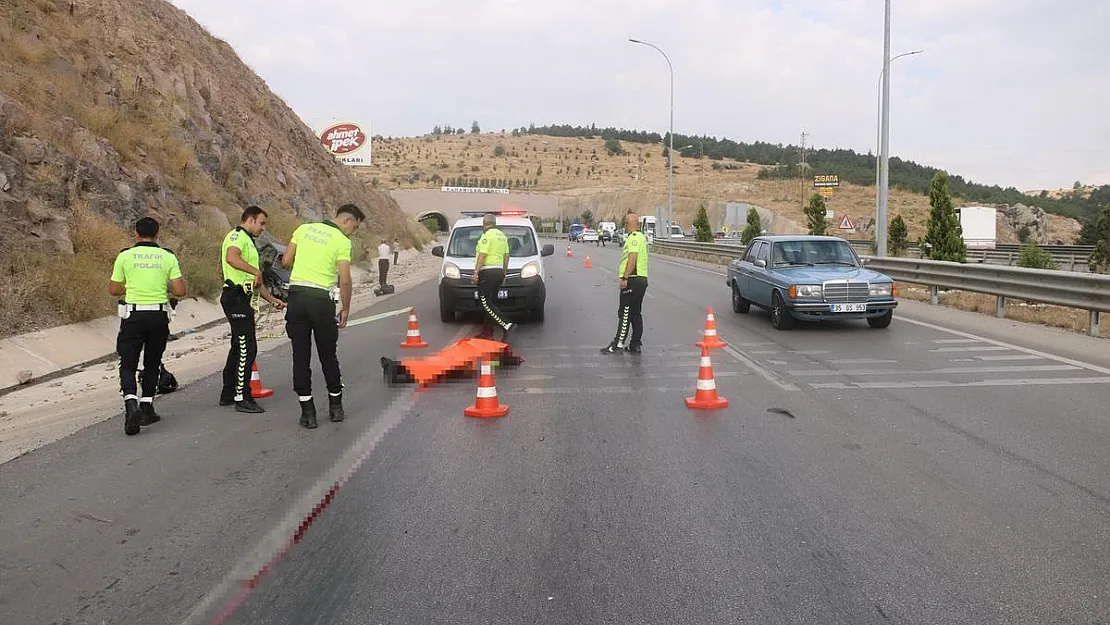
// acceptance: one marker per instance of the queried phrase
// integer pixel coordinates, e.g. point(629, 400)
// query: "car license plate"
point(501, 294)
point(849, 308)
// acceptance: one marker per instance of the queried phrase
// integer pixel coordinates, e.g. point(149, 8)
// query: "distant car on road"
point(809, 278)
point(589, 235)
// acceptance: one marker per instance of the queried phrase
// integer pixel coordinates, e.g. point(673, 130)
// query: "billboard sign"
point(348, 142)
point(826, 181)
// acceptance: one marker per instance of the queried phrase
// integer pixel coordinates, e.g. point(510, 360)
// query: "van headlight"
point(530, 270)
point(451, 270)
point(881, 289)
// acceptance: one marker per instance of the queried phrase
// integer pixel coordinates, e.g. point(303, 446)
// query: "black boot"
point(248, 405)
point(149, 416)
point(132, 415)
point(335, 408)
point(611, 348)
point(308, 414)
point(507, 331)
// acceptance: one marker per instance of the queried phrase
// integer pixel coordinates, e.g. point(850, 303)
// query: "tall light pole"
point(670, 148)
point(878, 133)
point(884, 143)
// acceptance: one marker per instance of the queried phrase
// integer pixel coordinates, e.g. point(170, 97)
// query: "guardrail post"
point(934, 295)
point(1000, 309)
point(1071, 265)
point(1010, 259)
point(1095, 319)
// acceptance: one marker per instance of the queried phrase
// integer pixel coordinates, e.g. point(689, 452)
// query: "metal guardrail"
point(1066, 257)
point(1085, 291)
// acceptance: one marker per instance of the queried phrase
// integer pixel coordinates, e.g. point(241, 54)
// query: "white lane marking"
point(862, 361)
point(589, 390)
point(572, 348)
point(625, 363)
point(660, 376)
point(955, 340)
point(754, 366)
point(392, 313)
point(1011, 357)
point(1024, 350)
point(979, 369)
point(985, 348)
point(947, 384)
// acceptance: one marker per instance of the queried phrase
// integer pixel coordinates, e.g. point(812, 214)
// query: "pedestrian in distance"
point(632, 275)
point(383, 263)
point(319, 255)
point(242, 284)
point(490, 266)
point(143, 276)
point(396, 249)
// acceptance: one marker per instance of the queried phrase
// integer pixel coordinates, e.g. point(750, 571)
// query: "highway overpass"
point(447, 206)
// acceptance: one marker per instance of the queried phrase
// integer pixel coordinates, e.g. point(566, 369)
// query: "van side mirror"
point(437, 251)
point(548, 249)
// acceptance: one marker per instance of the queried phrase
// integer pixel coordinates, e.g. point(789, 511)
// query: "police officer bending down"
point(141, 275)
point(316, 253)
point(632, 272)
point(242, 279)
point(490, 266)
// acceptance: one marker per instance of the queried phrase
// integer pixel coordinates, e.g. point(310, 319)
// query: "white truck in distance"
point(980, 226)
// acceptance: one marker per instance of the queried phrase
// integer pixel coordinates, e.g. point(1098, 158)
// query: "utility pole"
point(884, 165)
point(802, 169)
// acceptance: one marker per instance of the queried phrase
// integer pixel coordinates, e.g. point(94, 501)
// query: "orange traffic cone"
point(589, 265)
point(257, 390)
point(569, 253)
point(709, 335)
point(486, 403)
point(706, 396)
point(412, 337)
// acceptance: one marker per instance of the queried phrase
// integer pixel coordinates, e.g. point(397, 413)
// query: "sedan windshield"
point(464, 241)
point(813, 252)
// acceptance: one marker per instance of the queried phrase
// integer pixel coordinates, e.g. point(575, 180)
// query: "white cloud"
point(1007, 91)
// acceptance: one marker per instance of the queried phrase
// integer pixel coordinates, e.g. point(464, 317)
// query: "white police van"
point(524, 290)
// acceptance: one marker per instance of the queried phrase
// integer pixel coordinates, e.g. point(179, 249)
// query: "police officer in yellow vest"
point(490, 267)
point(242, 279)
point(316, 253)
point(632, 274)
point(142, 274)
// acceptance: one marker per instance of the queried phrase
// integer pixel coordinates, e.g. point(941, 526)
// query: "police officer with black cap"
point(141, 276)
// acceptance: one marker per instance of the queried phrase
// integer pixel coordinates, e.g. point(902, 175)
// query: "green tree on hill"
point(753, 228)
point(703, 233)
point(943, 230)
point(896, 241)
point(475, 128)
point(1099, 261)
point(815, 214)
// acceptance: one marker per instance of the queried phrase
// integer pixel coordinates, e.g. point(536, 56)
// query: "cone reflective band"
point(706, 396)
point(412, 336)
point(485, 402)
point(709, 334)
point(257, 390)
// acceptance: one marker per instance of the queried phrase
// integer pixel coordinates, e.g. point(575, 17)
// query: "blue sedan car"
point(810, 278)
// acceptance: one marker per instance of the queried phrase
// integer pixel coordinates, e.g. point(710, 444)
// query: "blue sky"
point(1009, 92)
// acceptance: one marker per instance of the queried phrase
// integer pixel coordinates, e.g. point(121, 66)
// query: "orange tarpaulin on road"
point(458, 358)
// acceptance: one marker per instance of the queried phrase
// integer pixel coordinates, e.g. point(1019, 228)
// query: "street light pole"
point(878, 132)
point(670, 136)
point(884, 172)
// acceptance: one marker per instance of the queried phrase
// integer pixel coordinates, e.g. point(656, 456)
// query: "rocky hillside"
point(112, 109)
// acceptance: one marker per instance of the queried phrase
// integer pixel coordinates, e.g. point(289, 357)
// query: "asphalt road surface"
point(909, 475)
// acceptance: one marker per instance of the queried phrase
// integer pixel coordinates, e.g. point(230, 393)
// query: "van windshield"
point(464, 241)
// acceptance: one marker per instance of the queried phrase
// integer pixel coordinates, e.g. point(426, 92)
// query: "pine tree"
point(1099, 261)
point(896, 237)
point(703, 233)
point(753, 228)
point(943, 230)
point(815, 214)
